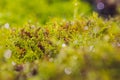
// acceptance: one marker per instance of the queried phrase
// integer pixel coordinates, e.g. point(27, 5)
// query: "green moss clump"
point(86, 48)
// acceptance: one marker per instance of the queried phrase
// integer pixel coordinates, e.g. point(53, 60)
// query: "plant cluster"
point(86, 48)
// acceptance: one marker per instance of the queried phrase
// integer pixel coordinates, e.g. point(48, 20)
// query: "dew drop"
point(13, 63)
point(68, 71)
point(7, 54)
point(63, 45)
point(33, 26)
point(7, 26)
point(86, 28)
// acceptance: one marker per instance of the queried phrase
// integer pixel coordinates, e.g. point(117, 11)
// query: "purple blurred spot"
point(100, 6)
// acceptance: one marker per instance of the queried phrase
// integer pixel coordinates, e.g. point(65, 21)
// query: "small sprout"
point(7, 54)
point(76, 3)
point(68, 71)
point(7, 26)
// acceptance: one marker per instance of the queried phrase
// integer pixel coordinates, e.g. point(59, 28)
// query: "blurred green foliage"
point(21, 11)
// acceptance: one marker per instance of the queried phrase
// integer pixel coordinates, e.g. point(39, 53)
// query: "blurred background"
point(21, 11)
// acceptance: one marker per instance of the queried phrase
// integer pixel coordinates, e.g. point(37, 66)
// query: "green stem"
point(75, 9)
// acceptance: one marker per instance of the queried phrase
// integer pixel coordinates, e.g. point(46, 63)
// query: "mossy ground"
point(86, 48)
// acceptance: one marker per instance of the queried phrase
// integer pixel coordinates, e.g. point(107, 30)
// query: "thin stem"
point(75, 9)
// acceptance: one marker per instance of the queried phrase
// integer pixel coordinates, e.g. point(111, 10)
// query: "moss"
point(86, 48)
